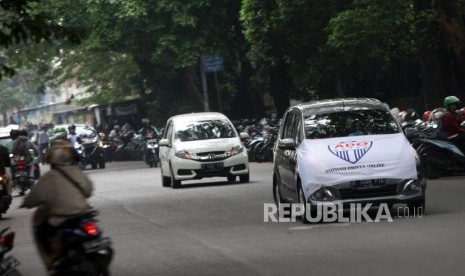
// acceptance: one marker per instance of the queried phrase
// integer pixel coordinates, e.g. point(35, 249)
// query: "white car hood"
point(223, 144)
point(327, 162)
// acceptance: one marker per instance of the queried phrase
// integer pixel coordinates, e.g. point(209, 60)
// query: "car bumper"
point(394, 192)
point(184, 169)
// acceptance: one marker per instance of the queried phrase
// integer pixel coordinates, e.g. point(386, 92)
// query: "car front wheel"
point(174, 183)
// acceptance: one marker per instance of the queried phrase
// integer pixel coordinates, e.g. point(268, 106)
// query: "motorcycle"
point(152, 150)
point(7, 265)
point(22, 179)
point(79, 148)
point(81, 247)
point(5, 198)
point(440, 157)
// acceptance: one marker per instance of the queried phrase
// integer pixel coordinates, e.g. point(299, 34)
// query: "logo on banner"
point(351, 151)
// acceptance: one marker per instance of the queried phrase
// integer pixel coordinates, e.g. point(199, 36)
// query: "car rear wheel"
point(174, 183)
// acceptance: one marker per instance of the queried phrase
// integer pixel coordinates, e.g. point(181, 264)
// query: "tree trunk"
point(192, 89)
point(437, 76)
point(280, 89)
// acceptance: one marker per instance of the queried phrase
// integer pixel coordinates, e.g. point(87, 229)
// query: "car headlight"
point(236, 150)
point(184, 154)
point(323, 194)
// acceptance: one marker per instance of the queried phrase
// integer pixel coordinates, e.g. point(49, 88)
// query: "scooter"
point(22, 179)
point(5, 198)
point(440, 157)
point(152, 157)
point(81, 247)
point(79, 148)
point(9, 264)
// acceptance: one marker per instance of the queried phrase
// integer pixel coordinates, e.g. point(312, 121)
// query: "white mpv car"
point(199, 145)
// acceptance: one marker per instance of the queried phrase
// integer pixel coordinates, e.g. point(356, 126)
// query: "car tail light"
point(7, 241)
point(90, 228)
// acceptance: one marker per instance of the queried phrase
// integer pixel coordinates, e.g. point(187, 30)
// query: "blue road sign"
point(212, 64)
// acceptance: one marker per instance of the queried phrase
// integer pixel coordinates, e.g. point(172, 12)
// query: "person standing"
point(43, 141)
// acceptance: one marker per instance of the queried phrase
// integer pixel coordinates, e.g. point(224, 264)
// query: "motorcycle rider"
point(73, 137)
point(115, 133)
point(4, 163)
point(22, 146)
point(147, 132)
point(451, 122)
point(57, 198)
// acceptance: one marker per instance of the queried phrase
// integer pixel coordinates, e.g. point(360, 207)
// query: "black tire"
point(231, 178)
point(94, 165)
point(303, 201)
point(245, 178)
point(101, 164)
point(427, 161)
point(417, 207)
point(165, 181)
point(174, 183)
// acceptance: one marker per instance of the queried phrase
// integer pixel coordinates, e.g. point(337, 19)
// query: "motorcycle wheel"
point(94, 165)
point(101, 164)
point(428, 160)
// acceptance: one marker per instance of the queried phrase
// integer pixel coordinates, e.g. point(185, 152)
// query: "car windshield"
point(203, 130)
point(86, 132)
point(350, 123)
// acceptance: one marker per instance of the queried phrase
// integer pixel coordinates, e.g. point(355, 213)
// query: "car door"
point(285, 156)
point(165, 150)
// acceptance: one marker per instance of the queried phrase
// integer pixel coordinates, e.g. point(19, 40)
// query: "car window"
point(169, 131)
point(288, 126)
point(203, 130)
point(349, 123)
point(297, 133)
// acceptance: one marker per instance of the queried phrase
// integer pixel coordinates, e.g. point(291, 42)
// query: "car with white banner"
point(199, 145)
point(344, 151)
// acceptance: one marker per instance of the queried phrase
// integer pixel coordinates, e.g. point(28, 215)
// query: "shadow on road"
point(210, 184)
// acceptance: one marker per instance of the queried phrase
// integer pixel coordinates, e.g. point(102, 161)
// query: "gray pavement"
point(211, 227)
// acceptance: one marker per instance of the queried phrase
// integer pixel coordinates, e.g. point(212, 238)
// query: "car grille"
point(388, 190)
point(212, 156)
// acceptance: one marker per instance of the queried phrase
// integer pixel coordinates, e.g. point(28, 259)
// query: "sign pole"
point(204, 86)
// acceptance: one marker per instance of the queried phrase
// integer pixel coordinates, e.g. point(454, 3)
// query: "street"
point(212, 227)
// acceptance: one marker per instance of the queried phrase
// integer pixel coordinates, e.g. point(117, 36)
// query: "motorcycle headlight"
point(236, 150)
point(184, 154)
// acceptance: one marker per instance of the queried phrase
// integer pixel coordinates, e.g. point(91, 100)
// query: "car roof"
point(188, 117)
point(337, 103)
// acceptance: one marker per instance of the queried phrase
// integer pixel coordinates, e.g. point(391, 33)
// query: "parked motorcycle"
point(5, 198)
point(9, 264)
point(440, 157)
point(82, 248)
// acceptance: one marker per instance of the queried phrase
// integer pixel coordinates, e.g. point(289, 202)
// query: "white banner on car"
point(328, 162)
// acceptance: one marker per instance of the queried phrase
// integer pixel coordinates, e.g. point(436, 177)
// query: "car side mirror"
point(287, 144)
point(244, 135)
point(164, 143)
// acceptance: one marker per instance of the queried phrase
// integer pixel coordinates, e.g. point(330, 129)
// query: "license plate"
point(368, 184)
point(96, 245)
point(212, 166)
point(8, 264)
point(152, 141)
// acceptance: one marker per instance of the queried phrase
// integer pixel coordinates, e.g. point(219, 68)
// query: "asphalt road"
point(213, 227)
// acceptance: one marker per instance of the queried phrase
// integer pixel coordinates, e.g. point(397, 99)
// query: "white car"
point(199, 145)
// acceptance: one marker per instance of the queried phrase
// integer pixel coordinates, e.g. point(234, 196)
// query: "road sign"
point(212, 64)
